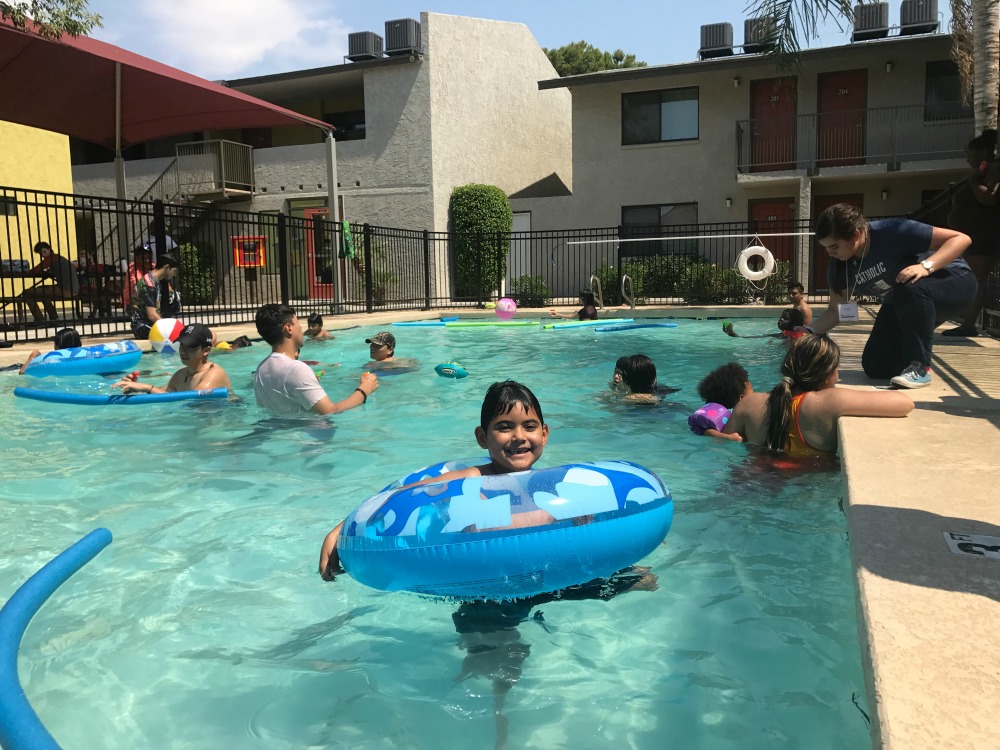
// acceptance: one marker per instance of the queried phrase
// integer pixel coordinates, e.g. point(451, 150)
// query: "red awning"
point(69, 86)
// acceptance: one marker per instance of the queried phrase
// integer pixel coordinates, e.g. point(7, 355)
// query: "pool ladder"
point(628, 290)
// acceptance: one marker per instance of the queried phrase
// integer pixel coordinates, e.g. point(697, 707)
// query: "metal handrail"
point(595, 282)
point(628, 296)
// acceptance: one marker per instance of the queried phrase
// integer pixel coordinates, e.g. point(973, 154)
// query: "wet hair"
point(840, 221)
point(39, 246)
point(587, 297)
point(809, 362)
point(796, 286)
point(638, 373)
point(504, 396)
point(271, 320)
point(315, 320)
point(986, 141)
point(724, 385)
point(791, 317)
point(66, 338)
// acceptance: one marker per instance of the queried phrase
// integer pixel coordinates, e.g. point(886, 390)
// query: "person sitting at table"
point(149, 303)
point(52, 266)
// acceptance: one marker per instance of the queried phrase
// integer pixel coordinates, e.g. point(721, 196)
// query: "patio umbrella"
point(104, 94)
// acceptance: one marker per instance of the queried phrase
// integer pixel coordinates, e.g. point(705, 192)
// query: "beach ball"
point(506, 308)
point(163, 335)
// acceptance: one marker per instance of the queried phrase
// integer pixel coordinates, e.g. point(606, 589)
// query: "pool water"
point(205, 625)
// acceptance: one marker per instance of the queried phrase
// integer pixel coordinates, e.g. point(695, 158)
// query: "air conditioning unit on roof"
point(716, 40)
point(364, 45)
point(918, 17)
point(402, 37)
point(757, 33)
point(871, 21)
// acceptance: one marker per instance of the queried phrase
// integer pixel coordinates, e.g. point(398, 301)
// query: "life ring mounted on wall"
point(755, 251)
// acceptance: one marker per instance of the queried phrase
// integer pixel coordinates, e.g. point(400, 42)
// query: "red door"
point(772, 215)
point(843, 97)
point(773, 104)
point(321, 253)
point(821, 258)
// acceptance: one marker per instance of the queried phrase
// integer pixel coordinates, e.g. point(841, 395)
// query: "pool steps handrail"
point(20, 727)
point(595, 284)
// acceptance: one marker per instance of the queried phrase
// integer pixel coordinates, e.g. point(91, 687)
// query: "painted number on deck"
point(973, 544)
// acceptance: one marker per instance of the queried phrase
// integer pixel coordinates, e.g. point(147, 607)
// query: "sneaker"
point(914, 376)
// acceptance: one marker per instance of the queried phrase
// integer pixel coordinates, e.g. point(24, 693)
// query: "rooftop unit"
point(716, 41)
point(364, 45)
point(918, 17)
point(758, 34)
point(402, 37)
point(871, 21)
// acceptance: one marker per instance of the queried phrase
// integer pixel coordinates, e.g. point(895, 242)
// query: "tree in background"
point(53, 17)
point(580, 57)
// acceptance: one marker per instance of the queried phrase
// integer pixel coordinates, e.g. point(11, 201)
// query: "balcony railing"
point(884, 135)
point(210, 170)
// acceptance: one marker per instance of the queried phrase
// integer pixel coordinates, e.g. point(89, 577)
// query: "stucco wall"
point(34, 159)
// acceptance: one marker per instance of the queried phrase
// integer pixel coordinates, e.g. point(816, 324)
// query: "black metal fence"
point(232, 262)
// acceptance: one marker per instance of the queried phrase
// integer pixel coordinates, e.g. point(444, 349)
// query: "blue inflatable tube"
point(506, 536)
point(118, 399)
point(583, 323)
point(630, 326)
point(98, 359)
point(20, 727)
point(439, 322)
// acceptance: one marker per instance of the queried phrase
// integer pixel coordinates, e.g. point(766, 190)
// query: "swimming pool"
point(205, 625)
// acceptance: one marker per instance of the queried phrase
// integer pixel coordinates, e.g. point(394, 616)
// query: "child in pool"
point(315, 331)
point(722, 389)
point(513, 431)
point(66, 338)
point(587, 312)
point(790, 319)
point(635, 376)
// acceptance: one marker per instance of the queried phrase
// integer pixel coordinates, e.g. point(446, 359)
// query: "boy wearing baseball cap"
point(198, 374)
point(382, 348)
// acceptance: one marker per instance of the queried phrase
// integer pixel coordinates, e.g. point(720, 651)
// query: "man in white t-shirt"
point(285, 386)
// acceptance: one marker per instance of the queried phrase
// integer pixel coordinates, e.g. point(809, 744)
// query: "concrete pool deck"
point(932, 660)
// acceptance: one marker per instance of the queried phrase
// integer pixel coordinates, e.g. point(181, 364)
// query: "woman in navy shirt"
point(918, 272)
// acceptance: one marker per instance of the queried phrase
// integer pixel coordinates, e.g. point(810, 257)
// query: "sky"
point(229, 39)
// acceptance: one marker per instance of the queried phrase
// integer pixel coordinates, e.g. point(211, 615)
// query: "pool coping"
point(932, 669)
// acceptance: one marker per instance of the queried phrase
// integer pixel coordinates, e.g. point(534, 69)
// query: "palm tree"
point(975, 28)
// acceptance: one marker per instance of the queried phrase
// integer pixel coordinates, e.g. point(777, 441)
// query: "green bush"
point(478, 213)
point(196, 274)
point(662, 272)
point(530, 291)
point(709, 284)
point(776, 291)
point(611, 284)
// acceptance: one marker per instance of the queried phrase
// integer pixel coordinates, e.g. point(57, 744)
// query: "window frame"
point(696, 98)
point(945, 75)
point(663, 247)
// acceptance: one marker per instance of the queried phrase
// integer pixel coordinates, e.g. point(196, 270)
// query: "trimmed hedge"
point(197, 275)
point(530, 291)
point(478, 213)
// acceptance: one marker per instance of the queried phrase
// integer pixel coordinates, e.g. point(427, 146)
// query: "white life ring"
point(755, 251)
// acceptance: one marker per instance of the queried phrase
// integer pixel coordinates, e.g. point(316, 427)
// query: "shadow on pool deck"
point(927, 616)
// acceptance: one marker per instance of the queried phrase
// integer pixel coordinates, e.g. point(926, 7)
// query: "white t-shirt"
point(285, 386)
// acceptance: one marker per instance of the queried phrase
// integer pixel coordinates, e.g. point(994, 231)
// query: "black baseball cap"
point(195, 334)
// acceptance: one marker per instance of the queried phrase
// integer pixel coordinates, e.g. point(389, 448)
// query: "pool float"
point(451, 370)
point(489, 323)
point(458, 538)
point(118, 399)
point(631, 326)
point(583, 323)
point(711, 416)
point(86, 360)
point(439, 322)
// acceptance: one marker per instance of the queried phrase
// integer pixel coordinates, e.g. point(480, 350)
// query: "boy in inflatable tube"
point(513, 431)
point(198, 374)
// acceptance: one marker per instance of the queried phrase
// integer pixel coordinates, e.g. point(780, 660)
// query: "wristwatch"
point(928, 264)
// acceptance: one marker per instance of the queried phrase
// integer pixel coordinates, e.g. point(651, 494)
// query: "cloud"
point(227, 38)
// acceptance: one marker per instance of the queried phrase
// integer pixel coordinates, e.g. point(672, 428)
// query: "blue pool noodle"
point(630, 326)
point(119, 399)
point(20, 727)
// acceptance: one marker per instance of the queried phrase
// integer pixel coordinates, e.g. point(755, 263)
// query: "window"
point(8, 206)
point(350, 126)
point(659, 116)
point(943, 98)
point(665, 220)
